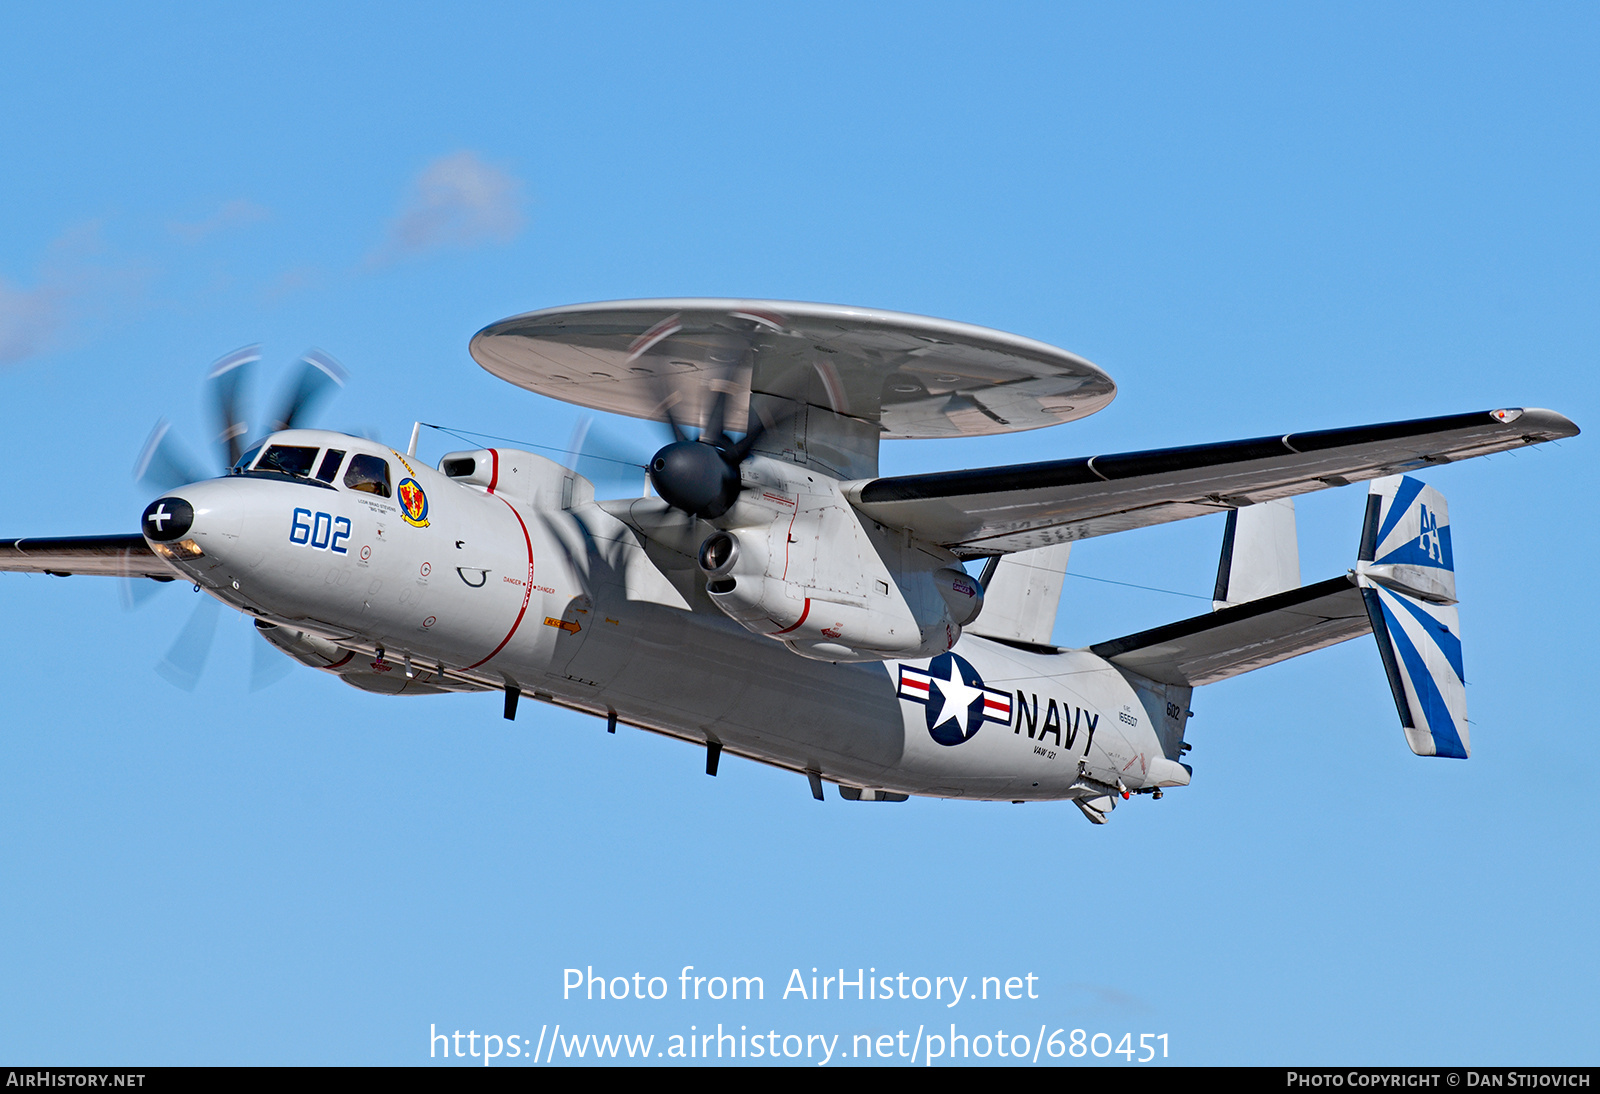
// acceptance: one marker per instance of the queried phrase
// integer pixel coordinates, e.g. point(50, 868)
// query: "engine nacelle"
point(816, 578)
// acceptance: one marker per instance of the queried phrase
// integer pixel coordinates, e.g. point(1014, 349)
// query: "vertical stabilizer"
point(1260, 553)
point(1406, 571)
point(1022, 595)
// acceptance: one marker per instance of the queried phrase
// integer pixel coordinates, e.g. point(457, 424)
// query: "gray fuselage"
point(523, 582)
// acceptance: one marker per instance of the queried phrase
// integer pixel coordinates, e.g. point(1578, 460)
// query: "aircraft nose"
point(167, 519)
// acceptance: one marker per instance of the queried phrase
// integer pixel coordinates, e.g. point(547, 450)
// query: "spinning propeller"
point(164, 465)
point(700, 475)
point(695, 474)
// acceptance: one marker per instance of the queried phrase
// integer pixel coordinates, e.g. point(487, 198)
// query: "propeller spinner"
point(700, 475)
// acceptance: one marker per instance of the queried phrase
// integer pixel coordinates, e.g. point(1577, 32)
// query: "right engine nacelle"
point(815, 577)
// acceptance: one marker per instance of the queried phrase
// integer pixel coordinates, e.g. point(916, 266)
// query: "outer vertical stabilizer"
point(1407, 576)
point(1022, 595)
point(1260, 553)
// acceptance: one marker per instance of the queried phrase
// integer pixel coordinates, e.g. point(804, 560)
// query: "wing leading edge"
point(106, 556)
point(997, 510)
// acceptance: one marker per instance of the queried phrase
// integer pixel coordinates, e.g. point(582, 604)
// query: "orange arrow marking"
point(568, 625)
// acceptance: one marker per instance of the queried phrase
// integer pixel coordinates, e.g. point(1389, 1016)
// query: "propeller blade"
point(668, 526)
point(760, 427)
point(319, 375)
point(667, 400)
point(163, 465)
point(704, 479)
point(186, 657)
point(603, 457)
point(135, 592)
point(716, 432)
point(228, 378)
point(268, 665)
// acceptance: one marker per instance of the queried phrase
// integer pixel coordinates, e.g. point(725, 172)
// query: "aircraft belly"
point(608, 629)
point(698, 676)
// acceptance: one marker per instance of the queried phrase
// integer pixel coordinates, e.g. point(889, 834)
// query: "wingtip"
point(1536, 422)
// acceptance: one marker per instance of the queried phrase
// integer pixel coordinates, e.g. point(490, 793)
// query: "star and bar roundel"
point(957, 703)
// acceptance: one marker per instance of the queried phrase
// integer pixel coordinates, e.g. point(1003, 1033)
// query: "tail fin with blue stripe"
point(1406, 572)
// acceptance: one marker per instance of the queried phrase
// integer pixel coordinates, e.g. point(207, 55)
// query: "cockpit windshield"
point(247, 459)
point(369, 474)
point(288, 459)
point(329, 468)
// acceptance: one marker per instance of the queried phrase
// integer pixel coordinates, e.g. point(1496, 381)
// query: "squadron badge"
point(413, 503)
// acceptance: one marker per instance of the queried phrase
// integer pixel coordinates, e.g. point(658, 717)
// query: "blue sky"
point(1256, 218)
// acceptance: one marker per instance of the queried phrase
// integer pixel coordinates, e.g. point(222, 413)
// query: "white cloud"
point(229, 214)
point(457, 201)
point(292, 281)
point(28, 317)
point(77, 284)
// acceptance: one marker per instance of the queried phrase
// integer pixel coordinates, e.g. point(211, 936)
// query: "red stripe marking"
point(494, 477)
point(788, 538)
point(527, 588)
point(805, 612)
point(664, 329)
point(345, 660)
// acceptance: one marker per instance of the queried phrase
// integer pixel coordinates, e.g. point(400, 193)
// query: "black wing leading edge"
point(996, 510)
point(106, 556)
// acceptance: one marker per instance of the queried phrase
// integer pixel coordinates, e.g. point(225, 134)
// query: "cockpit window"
point(369, 474)
point(248, 458)
point(329, 469)
point(288, 459)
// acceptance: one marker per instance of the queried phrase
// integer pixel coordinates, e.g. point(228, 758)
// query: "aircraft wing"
point(1248, 636)
point(997, 510)
point(110, 556)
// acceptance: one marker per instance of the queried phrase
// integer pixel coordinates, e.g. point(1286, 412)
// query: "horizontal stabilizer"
point(1405, 543)
point(1229, 641)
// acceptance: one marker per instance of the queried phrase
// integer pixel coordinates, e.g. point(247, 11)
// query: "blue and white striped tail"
point(1407, 576)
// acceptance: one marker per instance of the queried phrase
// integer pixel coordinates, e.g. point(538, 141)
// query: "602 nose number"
point(323, 531)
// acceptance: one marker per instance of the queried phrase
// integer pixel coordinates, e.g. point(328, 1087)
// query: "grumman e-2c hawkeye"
point(776, 598)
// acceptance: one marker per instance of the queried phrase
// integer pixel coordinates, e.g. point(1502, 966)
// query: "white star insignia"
point(958, 698)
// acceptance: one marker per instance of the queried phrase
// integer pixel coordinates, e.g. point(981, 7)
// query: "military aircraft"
point(775, 597)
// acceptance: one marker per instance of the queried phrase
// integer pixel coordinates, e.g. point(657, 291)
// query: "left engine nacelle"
point(818, 579)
